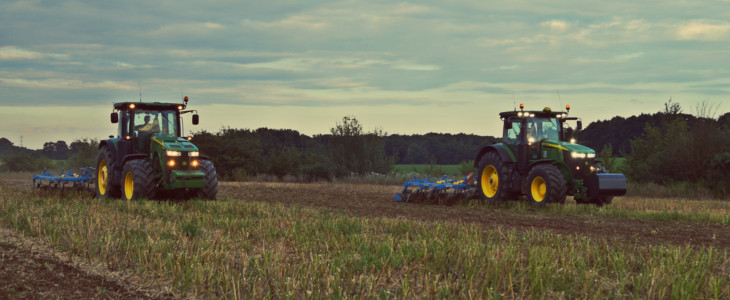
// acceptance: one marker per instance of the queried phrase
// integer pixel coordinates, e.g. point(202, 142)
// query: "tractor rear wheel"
point(493, 179)
point(545, 184)
point(138, 180)
point(210, 189)
point(104, 186)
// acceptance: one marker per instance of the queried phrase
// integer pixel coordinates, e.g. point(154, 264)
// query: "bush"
point(20, 161)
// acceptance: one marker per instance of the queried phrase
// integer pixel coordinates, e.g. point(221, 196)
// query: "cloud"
point(14, 53)
point(703, 31)
point(63, 84)
point(556, 25)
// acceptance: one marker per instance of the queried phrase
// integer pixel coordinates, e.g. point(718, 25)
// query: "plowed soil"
point(32, 271)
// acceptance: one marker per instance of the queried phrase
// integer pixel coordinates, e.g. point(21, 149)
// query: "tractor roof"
point(545, 113)
point(148, 105)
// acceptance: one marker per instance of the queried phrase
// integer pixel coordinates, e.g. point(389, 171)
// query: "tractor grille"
point(579, 167)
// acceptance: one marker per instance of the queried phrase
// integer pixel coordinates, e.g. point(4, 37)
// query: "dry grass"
point(233, 248)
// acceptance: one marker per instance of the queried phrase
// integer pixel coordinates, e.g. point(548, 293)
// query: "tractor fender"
point(132, 157)
point(112, 147)
point(504, 153)
point(539, 162)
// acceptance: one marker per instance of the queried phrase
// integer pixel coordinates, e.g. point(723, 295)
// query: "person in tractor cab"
point(146, 130)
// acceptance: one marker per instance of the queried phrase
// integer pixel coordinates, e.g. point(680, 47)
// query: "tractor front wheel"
point(137, 180)
point(545, 184)
point(493, 179)
point(210, 189)
point(104, 186)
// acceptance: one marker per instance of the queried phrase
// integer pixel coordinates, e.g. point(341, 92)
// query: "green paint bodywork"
point(180, 176)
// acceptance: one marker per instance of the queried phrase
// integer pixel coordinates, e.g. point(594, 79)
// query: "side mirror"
point(507, 125)
point(196, 120)
point(115, 118)
point(580, 125)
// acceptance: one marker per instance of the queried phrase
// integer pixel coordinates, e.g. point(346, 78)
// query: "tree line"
point(665, 147)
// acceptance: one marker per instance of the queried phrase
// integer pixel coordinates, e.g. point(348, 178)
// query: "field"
point(449, 170)
point(285, 240)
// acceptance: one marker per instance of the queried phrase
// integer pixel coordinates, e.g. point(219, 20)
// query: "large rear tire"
point(545, 184)
point(210, 189)
point(138, 180)
point(493, 179)
point(104, 186)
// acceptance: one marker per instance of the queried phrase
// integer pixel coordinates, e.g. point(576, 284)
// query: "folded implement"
point(84, 178)
point(433, 190)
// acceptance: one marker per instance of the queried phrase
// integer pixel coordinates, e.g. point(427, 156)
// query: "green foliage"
point(83, 153)
point(449, 149)
point(678, 152)
point(358, 152)
point(19, 161)
point(285, 162)
point(609, 161)
point(467, 167)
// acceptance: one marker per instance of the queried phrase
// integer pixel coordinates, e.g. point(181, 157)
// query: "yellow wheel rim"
point(490, 181)
point(538, 189)
point(128, 185)
point(101, 177)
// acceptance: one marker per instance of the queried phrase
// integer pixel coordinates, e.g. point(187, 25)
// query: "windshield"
point(155, 121)
point(542, 128)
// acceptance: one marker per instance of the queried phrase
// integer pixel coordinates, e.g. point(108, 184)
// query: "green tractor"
point(149, 155)
point(539, 158)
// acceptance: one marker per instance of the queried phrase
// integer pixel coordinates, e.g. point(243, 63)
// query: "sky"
point(402, 67)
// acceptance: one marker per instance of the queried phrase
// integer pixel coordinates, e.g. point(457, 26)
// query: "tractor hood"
point(567, 146)
point(171, 142)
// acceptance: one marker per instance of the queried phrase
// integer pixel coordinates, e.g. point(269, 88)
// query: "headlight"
point(581, 155)
point(173, 153)
point(572, 141)
point(194, 153)
point(591, 155)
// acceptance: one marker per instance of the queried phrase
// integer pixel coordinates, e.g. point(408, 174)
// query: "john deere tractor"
point(538, 158)
point(149, 155)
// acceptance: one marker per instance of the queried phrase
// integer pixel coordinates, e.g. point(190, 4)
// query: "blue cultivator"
point(83, 179)
point(434, 190)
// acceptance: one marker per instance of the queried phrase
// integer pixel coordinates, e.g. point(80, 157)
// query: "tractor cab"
point(539, 131)
point(150, 153)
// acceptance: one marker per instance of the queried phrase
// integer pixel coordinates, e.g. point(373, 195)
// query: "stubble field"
point(338, 240)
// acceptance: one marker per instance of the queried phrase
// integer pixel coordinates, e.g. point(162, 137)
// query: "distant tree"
point(672, 108)
point(416, 154)
point(83, 153)
point(57, 150)
point(358, 152)
point(285, 162)
point(21, 161)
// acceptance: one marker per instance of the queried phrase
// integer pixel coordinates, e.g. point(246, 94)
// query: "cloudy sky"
point(404, 67)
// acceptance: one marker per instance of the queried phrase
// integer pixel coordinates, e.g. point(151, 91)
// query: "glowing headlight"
point(519, 114)
point(173, 153)
point(572, 141)
point(194, 153)
point(581, 155)
point(194, 163)
point(591, 155)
